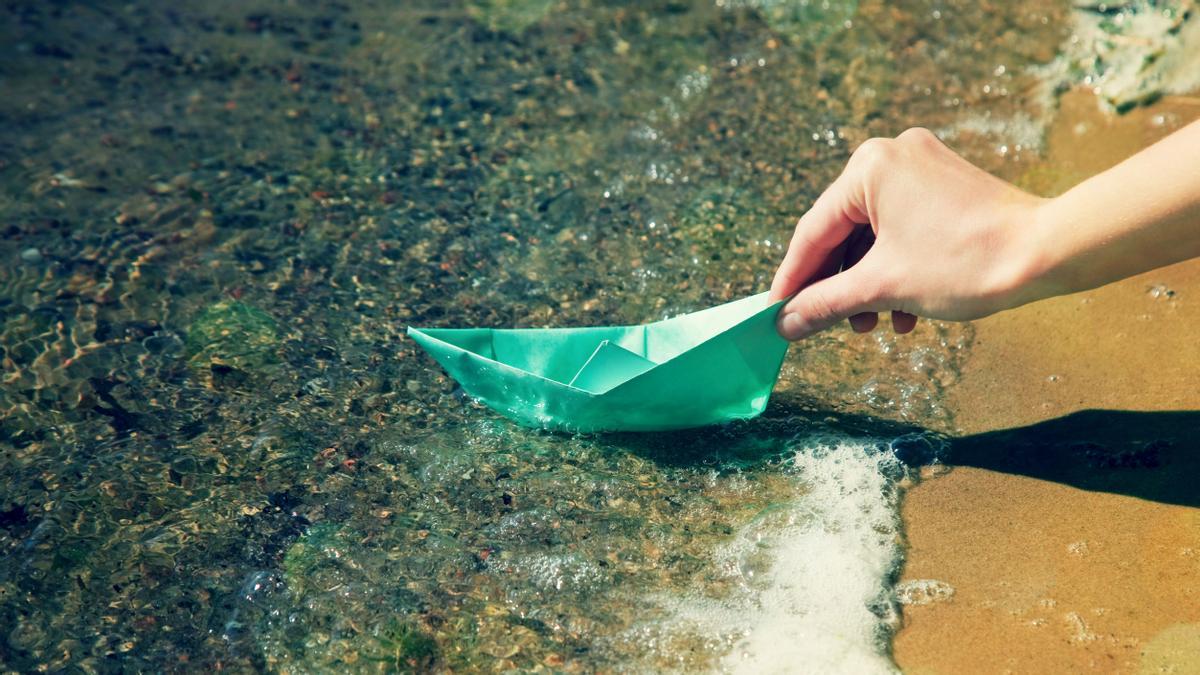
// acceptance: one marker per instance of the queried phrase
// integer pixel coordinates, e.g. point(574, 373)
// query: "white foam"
point(1016, 132)
point(1142, 50)
point(814, 575)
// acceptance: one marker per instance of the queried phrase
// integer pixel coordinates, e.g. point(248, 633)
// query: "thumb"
point(828, 301)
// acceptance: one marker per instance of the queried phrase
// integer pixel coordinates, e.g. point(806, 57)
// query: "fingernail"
point(792, 326)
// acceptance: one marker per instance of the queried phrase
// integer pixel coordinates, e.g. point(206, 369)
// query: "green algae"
point(810, 20)
point(405, 647)
point(513, 16)
point(321, 543)
point(232, 334)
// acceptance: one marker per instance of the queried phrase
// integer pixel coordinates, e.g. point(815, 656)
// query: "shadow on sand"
point(1149, 455)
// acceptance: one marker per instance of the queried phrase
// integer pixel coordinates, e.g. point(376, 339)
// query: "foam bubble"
point(557, 572)
point(1129, 53)
point(923, 592)
point(812, 577)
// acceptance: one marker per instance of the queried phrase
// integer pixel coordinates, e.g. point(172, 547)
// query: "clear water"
point(217, 448)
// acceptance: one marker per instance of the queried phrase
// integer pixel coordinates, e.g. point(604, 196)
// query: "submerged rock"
point(812, 19)
point(511, 16)
point(321, 542)
point(232, 335)
point(402, 645)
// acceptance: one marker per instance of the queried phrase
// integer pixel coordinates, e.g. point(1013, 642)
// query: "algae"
point(232, 334)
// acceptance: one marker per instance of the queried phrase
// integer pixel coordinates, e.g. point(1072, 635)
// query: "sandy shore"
point(1074, 546)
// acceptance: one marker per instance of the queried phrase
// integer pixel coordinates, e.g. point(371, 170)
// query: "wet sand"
point(1067, 550)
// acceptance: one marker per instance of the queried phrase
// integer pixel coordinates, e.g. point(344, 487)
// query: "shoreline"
point(1047, 576)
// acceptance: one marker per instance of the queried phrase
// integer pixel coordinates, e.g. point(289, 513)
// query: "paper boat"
point(708, 367)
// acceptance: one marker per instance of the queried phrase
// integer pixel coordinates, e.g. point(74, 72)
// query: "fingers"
point(903, 322)
point(832, 218)
point(864, 322)
point(838, 230)
point(856, 247)
point(828, 301)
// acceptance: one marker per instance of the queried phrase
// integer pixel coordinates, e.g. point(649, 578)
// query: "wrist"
point(1034, 270)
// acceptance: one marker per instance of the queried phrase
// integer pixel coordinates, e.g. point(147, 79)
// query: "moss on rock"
point(232, 334)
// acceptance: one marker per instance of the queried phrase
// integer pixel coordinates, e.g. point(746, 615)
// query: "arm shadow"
point(1149, 455)
point(771, 437)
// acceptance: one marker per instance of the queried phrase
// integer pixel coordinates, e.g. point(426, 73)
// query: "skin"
point(913, 229)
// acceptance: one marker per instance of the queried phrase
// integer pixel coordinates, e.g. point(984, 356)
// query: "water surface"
point(219, 450)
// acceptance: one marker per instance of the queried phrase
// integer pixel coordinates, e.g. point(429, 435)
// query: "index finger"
point(830, 221)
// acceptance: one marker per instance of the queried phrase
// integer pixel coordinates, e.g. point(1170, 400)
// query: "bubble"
point(916, 592)
point(812, 574)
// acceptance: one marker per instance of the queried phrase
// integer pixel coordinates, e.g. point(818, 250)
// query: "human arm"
point(912, 228)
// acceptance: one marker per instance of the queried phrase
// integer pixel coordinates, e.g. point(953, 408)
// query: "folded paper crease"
point(707, 367)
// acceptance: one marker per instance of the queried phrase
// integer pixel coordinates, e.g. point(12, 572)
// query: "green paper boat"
point(708, 367)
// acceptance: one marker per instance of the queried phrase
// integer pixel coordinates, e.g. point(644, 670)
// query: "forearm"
point(1139, 215)
point(916, 230)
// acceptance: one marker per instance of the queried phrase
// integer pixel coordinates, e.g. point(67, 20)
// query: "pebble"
point(31, 255)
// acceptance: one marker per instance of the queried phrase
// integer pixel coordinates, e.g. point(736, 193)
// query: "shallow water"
point(220, 450)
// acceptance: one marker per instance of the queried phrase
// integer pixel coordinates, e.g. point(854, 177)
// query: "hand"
point(912, 228)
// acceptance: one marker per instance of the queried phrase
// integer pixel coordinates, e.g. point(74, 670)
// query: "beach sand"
point(1074, 545)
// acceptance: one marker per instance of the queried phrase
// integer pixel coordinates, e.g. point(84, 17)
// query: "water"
point(813, 573)
point(220, 450)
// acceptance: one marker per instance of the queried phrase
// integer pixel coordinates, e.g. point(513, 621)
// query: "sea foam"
point(814, 575)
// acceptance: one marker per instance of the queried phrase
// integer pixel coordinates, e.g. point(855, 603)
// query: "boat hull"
point(720, 365)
